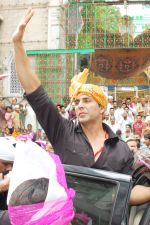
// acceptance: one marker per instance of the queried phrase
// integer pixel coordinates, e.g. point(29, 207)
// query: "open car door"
point(101, 196)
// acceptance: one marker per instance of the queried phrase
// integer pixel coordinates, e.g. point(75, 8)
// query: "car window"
point(94, 200)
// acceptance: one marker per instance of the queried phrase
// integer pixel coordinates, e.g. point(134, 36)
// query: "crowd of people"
point(128, 118)
point(18, 120)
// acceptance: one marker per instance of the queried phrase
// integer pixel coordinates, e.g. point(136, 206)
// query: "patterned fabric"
point(78, 85)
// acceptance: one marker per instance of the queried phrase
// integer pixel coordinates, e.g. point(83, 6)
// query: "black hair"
point(147, 136)
point(30, 192)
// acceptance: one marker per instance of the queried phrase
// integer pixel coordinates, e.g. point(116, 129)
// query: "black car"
point(102, 198)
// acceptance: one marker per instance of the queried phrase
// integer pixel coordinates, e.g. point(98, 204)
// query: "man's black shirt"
point(70, 142)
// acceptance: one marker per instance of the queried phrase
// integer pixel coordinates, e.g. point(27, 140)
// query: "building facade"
point(44, 32)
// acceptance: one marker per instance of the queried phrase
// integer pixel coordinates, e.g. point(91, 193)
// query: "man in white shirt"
point(110, 103)
point(124, 121)
point(113, 125)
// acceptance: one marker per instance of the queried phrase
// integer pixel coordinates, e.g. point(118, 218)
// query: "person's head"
point(115, 104)
point(8, 109)
point(21, 107)
point(14, 101)
point(126, 109)
point(111, 111)
point(128, 128)
point(49, 148)
point(112, 120)
point(5, 166)
point(6, 155)
point(119, 133)
point(110, 99)
point(128, 101)
point(16, 108)
point(119, 103)
point(139, 118)
point(2, 104)
point(146, 135)
point(143, 101)
point(87, 109)
point(141, 112)
point(58, 107)
point(29, 127)
point(147, 98)
point(124, 105)
point(7, 131)
point(90, 100)
point(30, 192)
point(135, 99)
point(62, 109)
point(132, 144)
point(147, 140)
point(39, 132)
point(106, 115)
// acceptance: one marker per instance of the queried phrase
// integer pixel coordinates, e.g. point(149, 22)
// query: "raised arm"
point(28, 79)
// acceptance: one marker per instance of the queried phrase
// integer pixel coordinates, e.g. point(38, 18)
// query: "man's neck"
point(93, 129)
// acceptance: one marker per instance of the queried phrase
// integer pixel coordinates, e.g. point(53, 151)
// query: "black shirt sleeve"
point(47, 114)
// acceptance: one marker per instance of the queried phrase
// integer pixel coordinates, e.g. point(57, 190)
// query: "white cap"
point(6, 150)
point(16, 107)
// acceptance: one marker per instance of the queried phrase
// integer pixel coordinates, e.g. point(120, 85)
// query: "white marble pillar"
point(56, 24)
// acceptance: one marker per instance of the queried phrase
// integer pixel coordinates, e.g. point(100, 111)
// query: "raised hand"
point(18, 34)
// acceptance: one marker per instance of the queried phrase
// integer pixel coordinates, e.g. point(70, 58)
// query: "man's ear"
point(102, 109)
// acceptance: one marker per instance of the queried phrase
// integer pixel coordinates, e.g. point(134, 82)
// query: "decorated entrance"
point(112, 38)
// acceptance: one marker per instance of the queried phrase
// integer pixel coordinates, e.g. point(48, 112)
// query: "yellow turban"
point(78, 85)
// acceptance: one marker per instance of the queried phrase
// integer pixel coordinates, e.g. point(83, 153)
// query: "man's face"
point(106, 116)
point(14, 101)
point(115, 105)
point(29, 126)
point(126, 109)
point(111, 112)
point(127, 128)
point(133, 146)
point(147, 142)
point(143, 101)
point(141, 114)
point(123, 105)
point(9, 110)
point(112, 120)
point(128, 101)
point(17, 110)
point(63, 109)
point(139, 118)
point(5, 166)
point(110, 100)
point(87, 109)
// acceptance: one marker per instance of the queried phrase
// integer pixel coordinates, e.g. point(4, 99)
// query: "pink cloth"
point(60, 212)
point(25, 137)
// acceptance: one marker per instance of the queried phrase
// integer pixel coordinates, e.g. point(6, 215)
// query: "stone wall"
point(38, 32)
